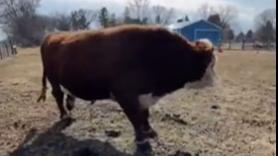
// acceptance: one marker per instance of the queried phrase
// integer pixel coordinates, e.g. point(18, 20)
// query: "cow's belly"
point(148, 100)
point(86, 92)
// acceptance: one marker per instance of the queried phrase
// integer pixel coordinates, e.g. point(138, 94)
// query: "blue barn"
point(198, 30)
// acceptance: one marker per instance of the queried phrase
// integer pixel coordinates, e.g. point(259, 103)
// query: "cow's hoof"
point(63, 124)
point(70, 106)
point(66, 116)
point(85, 152)
point(68, 120)
point(151, 134)
point(144, 148)
point(112, 133)
point(93, 102)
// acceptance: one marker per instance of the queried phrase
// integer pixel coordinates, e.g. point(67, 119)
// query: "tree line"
point(264, 33)
point(21, 22)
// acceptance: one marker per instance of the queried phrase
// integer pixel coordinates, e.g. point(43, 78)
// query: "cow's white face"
point(209, 79)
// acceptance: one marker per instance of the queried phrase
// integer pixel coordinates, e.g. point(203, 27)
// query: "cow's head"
point(206, 49)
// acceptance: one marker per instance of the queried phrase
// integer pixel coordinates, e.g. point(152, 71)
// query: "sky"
point(247, 10)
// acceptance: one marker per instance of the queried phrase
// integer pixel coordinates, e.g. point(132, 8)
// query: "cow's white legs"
point(69, 100)
point(59, 97)
point(138, 117)
point(147, 129)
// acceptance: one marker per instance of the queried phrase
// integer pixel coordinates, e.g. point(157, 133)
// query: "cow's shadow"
point(54, 143)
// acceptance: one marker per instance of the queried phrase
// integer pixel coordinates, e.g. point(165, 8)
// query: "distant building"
point(198, 30)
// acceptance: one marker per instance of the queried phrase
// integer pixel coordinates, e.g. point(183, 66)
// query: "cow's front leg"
point(148, 131)
point(59, 97)
point(137, 117)
point(70, 103)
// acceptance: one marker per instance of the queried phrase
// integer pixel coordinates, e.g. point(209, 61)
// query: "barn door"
point(213, 35)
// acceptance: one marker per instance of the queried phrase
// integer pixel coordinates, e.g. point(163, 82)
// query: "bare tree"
point(113, 20)
point(12, 9)
point(230, 36)
point(127, 16)
point(62, 22)
point(140, 8)
point(266, 27)
point(241, 38)
point(223, 16)
point(20, 21)
point(250, 36)
point(215, 18)
point(205, 11)
point(265, 16)
point(82, 18)
point(227, 15)
point(162, 15)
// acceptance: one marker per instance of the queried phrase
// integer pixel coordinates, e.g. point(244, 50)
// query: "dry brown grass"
point(243, 124)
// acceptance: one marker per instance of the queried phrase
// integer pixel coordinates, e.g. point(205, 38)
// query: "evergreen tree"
point(104, 17)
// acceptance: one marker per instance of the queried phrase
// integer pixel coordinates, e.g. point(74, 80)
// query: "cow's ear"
point(204, 45)
point(200, 45)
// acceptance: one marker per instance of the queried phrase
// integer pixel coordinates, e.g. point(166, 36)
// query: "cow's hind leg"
point(70, 102)
point(59, 97)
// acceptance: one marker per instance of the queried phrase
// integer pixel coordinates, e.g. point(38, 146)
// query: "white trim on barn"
point(178, 26)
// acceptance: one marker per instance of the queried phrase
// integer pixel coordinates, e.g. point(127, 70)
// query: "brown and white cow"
point(136, 65)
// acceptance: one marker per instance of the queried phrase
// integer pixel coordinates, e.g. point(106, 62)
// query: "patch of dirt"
point(238, 117)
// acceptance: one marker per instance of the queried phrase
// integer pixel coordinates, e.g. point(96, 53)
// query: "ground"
point(235, 118)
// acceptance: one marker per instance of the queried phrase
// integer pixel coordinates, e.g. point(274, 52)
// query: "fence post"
point(7, 49)
point(1, 53)
point(4, 50)
point(13, 48)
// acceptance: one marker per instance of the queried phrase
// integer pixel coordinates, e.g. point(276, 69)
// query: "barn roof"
point(178, 25)
point(182, 25)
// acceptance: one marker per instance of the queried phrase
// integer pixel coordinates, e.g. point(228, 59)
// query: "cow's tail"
point(42, 96)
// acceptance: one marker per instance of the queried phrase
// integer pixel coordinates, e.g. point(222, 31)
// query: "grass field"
point(236, 118)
